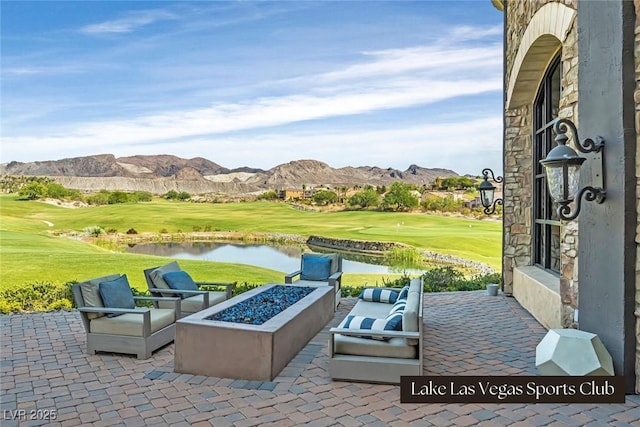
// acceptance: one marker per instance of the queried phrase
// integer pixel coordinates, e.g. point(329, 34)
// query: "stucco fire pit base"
point(249, 352)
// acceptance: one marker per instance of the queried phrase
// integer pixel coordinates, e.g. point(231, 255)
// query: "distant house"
point(290, 193)
point(472, 204)
point(295, 193)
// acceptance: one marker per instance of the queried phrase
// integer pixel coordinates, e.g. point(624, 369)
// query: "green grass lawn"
point(29, 252)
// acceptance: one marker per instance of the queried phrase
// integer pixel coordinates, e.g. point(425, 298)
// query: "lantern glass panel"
point(555, 181)
point(486, 197)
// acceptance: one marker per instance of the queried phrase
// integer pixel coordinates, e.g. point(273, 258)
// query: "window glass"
point(546, 233)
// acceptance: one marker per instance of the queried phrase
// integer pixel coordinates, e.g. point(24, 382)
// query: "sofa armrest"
point(374, 333)
point(288, 279)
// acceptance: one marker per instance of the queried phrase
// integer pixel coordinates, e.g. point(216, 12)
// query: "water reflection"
point(285, 258)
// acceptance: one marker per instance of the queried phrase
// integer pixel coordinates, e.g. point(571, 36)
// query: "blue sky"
point(257, 84)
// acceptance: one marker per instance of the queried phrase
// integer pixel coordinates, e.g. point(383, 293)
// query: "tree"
point(56, 191)
point(33, 190)
point(324, 197)
point(268, 195)
point(365, 198)
point(399, 197)
point(438, 183)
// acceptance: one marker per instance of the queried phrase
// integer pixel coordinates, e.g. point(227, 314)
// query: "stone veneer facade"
point(637, 105)
point(521, 18)
point(518, 150)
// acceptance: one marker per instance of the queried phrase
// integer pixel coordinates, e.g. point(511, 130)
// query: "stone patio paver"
point(43, 366)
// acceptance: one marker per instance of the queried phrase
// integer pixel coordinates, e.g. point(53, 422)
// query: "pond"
point(285, 258)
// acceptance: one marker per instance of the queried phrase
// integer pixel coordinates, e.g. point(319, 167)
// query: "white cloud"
point(422, 58)
point(128, 24)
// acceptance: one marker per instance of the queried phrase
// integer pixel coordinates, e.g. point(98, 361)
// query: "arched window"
point(546, 225)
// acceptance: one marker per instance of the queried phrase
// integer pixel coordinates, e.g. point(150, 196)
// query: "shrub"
point(132, 231)
point(174, 195)
point(39, 296)
point(93, 231)
point(443, 279)
point(100, 198)
point(268, 195)
point(439, 279)
point(118, 197)
point(142, 196)
point(240, 288)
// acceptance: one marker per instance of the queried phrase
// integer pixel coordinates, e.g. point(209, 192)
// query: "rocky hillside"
point(161, 173)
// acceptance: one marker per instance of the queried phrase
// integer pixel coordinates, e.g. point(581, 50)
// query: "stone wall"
point(518, 152)
point(378, 248)
point(363, 246)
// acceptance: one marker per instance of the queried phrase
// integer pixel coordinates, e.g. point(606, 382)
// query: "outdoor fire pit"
point(237, 339)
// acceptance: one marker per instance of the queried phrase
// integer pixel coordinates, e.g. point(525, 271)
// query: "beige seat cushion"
point(195, 303)
point(130, 324)
point(90, 290)
point(377, 310)
point(395, 347)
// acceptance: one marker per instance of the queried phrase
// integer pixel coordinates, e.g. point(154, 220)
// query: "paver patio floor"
point(44, 366)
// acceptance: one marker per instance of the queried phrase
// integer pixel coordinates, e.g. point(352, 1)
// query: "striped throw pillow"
point(399, 306)
point(393, 322)
point(378, 295)
point(404, 292)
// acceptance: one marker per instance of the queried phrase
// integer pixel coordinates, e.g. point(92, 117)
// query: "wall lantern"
point(487, 191)
point(562, 166)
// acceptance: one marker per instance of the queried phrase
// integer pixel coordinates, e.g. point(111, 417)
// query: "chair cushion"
point(378, 295)
point(315, 268)
point(156, 275)
point(131, 324)
point(370, 309)
point(395, 347)
point(180, 280)
point(91, 293)
point(117, 294)
point(393, 322)
point(195, 303)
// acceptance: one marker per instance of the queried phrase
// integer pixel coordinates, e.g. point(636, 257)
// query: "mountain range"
point(161, 173)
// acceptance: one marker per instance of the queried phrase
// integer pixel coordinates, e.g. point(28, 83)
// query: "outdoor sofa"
point(361, 349)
